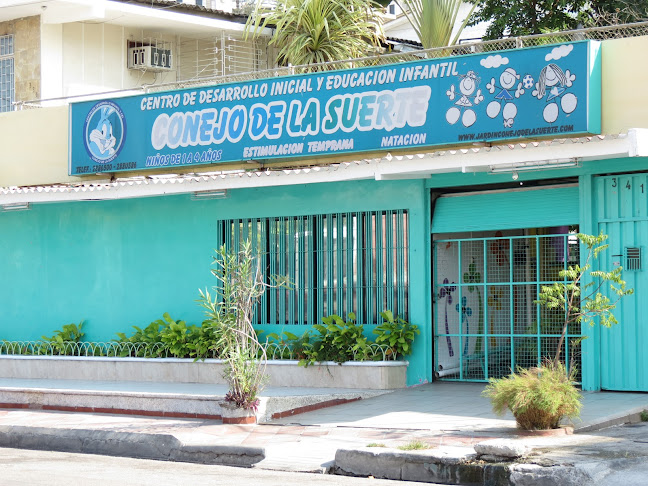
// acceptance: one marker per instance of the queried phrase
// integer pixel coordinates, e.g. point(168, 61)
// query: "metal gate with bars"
point(487, 323)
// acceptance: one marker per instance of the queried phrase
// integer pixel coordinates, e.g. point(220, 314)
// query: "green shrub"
point(538, 398)
point(145, 342)
point(396, 333)
point(286, 345)
point(337, 341)
point(167, 336)
point(177, 337)
point(62, 342)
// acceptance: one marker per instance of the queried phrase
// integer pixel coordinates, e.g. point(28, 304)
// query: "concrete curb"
point(627, 417)
point(437, 466)
point(550, 475)
point(162, 447)
point(443, 465)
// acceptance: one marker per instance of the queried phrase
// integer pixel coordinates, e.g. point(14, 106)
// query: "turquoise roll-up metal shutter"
point(506, 209)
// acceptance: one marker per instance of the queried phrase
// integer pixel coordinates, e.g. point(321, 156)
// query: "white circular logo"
point(104, 131)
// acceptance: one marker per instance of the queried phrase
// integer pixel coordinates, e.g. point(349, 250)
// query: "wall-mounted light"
point(14, 207)
point(536, 165)
point(216, 194)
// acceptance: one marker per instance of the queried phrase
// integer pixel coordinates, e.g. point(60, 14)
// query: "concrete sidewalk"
point(185, 400)
point(451, 418)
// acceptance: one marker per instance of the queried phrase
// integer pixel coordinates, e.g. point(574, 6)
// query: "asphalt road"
point(33, 468)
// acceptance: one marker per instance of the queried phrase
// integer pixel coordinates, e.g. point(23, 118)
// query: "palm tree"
point(434, 20)
point(318, 31)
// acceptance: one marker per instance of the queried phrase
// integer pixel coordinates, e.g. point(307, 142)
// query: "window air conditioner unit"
point(150, 58)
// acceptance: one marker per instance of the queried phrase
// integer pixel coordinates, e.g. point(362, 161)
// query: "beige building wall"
point(625, 72)
point(34, 147)
point(27, 41)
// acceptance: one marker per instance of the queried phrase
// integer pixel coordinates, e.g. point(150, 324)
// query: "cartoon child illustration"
point(467, 86)
point(102, 136)
point(554, 82)
point(507, 81)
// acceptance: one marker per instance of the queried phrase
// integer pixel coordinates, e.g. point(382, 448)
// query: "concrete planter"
point(231, 414)
point(375, 375)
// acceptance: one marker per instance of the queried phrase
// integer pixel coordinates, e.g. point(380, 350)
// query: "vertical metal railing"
point(338, 263)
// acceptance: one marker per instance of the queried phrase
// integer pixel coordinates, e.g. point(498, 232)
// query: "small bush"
point(168, 337)
point(337, 341)
point(415, 445)
point(376, 444)
point(62, 342)
point(538, 398)
point(396, 333)
point(643, 416)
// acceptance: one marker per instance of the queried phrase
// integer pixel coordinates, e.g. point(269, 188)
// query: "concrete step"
point(187, 400)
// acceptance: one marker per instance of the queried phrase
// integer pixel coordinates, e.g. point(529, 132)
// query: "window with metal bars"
point(337, 263)
point(7, 89)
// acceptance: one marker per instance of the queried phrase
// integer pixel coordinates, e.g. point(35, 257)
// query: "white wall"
point(51, 60)
point(95, 58)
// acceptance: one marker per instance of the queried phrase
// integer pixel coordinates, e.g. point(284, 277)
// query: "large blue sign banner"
point(547, 91)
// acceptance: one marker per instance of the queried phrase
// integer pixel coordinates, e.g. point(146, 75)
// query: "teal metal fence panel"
point(337, 263)
point(486, 321)
point(622, 214)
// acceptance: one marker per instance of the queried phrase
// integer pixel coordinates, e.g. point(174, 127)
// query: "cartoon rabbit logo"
point(102, 136)
point(105, 131)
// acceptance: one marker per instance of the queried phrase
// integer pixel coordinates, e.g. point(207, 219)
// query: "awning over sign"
point(632, 144)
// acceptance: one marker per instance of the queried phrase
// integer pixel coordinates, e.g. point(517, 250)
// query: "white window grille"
point(221, 55)
point(7, 89)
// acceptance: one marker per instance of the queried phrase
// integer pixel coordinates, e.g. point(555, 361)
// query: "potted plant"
point(539, 398)
point(241, 283)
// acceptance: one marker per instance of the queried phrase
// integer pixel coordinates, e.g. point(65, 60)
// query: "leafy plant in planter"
point(540, 397)
point(287, 345)
point(396, 333)
point(241, 283)
point(337, 341)
point(62, 342)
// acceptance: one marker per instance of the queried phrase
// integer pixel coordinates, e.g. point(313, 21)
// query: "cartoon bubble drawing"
point(494, 61)
point(469, 95)
point(550, 112)
point(559, 52)
point(553, 83)
point(568, 102)
point(508, 91)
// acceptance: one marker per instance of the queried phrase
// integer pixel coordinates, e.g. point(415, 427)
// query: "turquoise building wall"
point(121, 263)
point(115, 264)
